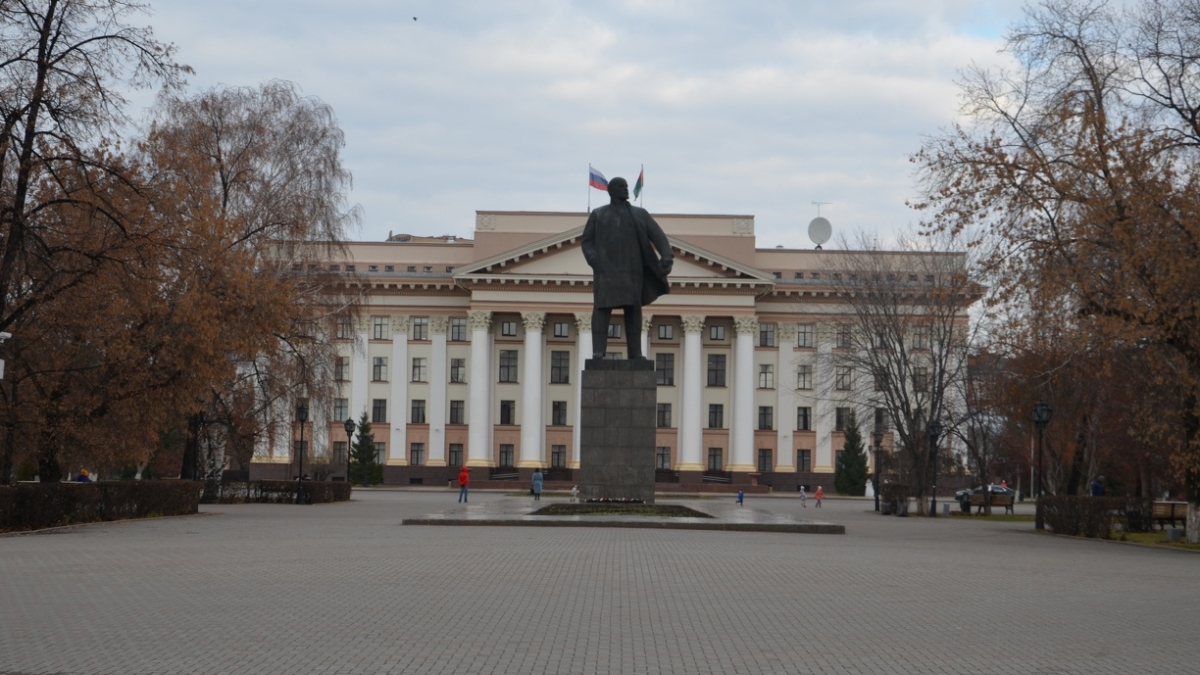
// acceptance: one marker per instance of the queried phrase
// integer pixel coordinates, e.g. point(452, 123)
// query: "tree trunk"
point(1076, 476)
point(191, 450)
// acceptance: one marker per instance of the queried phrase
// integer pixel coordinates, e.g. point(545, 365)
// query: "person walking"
point(464, 480)
point(803, 497)
point(537, 485)
point(819, 495)
point(741, 496)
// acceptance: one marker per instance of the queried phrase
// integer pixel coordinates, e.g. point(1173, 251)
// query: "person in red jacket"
point(820, 494)
point(464, 480)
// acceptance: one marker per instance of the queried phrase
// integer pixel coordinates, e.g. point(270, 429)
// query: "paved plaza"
point(344, 588)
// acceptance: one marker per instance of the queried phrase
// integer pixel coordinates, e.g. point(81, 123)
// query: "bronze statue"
point(620, 243)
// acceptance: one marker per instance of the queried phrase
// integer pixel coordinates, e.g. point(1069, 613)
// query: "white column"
point(583, 352)
point(691, 425)
point(824, 414)
point(741, 432)
point(785, 398)
point(360, 370)
point(438, 378)
point(533, 432)
point(398, 365)
point(479, 436)
point(318, 413)
point(647, 322)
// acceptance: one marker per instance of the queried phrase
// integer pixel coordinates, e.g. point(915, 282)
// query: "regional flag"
point(597, 179)
point(637, 187)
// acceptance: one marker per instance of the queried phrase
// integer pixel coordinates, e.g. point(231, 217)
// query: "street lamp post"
point(1041, 417)
point(302, 417)
point(935, 430)
point(878, 459)
point(349, 433)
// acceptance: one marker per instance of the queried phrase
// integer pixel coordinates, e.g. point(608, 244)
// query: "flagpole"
point(642, 193)
point(589, 188)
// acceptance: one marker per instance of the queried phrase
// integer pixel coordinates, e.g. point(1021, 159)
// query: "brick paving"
point(345, 589)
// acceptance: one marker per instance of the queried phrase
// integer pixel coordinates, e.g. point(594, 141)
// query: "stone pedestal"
point(616, 449)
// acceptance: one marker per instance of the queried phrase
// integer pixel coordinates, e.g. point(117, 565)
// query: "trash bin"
point(945, 510)
point(885, 508)
point(1175, 534)
point(964, 505)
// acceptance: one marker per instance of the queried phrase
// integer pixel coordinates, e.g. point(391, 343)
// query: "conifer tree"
point(364, 469)
point(850, 477)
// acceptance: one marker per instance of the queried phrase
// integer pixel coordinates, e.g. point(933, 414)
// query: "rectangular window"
point(880, 380)
point(418, 411)
point(662, 457)
point(380, 452)
point(339, 453)
point(300, 448)
point(766, 376)
point(921, 337)
point(341, 368)
point(804, 461)
point(341, 408)
point(508, 412)
point(764, 460)
point(766, 418)
point(716, 370)
point(558, 456)
point(455, 456)
point(558, 413)
point(379, 327)
point(560, 367)
point(843, 378)
point(562, 329)
point(417, 454)
point(716, 332)
point(666, 331)
point(804, 418)
point(844, 338)
point(458, 412)
point(716, 416)
point(664, 415)
point(458, 371)
point(379, 369)
point(508, 328)
point(664, 369)
point(837, 457)
point(614, 330)
point(508, 365)
point(419, 369)
point(506, 455)
point(344, 329)
point(921, 379)
point(714, 459)
point(882, 419)
point(378, 410)
point(766, 335)
point(458, 329)
point(420, 328)
point(804, 376)
point(841, 419)
point(805, 336)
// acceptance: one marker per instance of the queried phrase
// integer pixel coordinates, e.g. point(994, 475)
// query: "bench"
point(997, 500)
point(1172, 511)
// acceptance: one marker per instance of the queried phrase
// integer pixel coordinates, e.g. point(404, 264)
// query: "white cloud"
point(757, 107)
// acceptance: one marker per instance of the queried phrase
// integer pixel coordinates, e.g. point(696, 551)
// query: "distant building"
point(470, 351)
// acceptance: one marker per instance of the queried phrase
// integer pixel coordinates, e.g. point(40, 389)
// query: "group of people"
point(464, 484)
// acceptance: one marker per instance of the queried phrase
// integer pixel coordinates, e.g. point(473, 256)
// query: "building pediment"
point(559, 259)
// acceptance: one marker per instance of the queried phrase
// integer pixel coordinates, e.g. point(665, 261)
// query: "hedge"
point(1095, 516)
point(278, 492)
point(35, 506)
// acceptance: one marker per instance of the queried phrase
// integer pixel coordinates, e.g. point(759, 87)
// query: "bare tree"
point(906, 337)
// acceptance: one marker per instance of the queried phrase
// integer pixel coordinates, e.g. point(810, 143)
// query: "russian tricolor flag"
point(597, 179)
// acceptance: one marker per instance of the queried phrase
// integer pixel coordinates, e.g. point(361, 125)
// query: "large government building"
point(470, 351)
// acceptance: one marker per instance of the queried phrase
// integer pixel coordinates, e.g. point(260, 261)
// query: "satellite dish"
point(819, 230)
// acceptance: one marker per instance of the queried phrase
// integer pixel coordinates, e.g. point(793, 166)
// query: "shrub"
point(278, 492)
point(35, 506)
point(1095, 516)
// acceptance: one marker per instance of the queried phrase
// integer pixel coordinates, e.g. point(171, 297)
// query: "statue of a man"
point(630, 259)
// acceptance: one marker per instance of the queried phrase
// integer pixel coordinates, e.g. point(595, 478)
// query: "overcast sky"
point(757, 107)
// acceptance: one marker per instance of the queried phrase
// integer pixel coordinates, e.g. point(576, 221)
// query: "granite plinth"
point(617, 416)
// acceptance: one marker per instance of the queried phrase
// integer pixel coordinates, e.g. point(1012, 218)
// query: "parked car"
point(965, 495)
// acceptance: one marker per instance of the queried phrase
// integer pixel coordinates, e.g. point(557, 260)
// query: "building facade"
point(470, 352)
